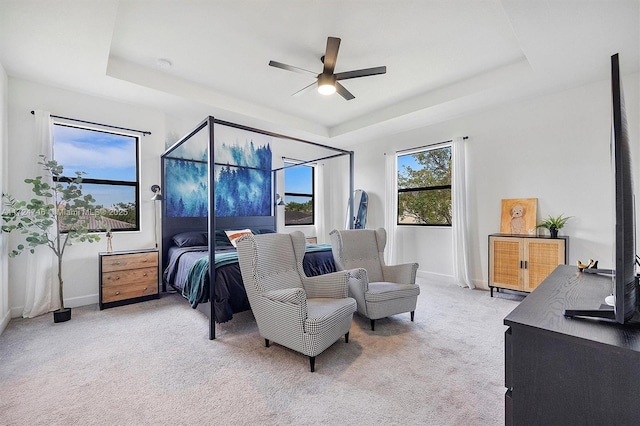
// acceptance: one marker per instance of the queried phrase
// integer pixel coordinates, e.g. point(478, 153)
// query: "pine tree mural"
point(242, 186)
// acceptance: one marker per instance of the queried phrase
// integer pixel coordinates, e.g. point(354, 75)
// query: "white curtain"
point(391, 209)
point(41, 296)
point(460, 217)
point(321, 226)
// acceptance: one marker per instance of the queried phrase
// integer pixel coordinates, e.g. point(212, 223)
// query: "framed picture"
point(519, 216)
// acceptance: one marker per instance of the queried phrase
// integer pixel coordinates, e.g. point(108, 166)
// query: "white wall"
point(554, 148)
point(4, 275)
point(81, 260)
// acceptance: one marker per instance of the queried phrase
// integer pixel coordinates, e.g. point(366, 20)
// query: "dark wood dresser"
point(570, 371)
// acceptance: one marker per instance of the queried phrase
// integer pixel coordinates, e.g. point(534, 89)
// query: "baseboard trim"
point(16, 312)
point(74, 302)
point(426, 275)
point(5, 321)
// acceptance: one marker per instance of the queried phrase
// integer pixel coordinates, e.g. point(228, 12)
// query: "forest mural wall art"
point(186, 193)
point(242, 178)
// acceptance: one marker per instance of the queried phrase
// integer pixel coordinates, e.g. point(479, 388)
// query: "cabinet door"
point(542, 257)
point(505, 259)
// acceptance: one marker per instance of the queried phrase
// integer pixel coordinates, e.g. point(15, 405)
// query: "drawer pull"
point(116, 263)
point(118, 277)
point(117, 293)
point(144, 288)
point(145, 274)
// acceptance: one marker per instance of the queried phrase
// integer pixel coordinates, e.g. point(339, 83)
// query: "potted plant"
point(57, 218)
point(553, 223)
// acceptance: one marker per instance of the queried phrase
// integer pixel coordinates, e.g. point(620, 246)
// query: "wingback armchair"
point(384, 290)
point(306, 314)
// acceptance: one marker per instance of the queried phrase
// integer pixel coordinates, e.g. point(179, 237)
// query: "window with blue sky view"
point(298, 194)
point(110, 163)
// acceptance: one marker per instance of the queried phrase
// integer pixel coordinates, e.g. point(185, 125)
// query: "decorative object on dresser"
point(109, 236)
point(60, 216)
point(518, 216)
point(553, 224)
point(382, 290)
point(593, 264)
point(128, 277)
point(521, 262)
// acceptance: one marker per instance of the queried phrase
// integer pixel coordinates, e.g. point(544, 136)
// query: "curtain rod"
point(144, 132)
point(427, 146)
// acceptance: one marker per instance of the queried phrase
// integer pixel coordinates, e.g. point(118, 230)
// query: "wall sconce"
point(279, 200)
point(157, 195)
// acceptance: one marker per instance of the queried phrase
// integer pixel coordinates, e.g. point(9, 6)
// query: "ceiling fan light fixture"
point(326, 84)
point(327, 81)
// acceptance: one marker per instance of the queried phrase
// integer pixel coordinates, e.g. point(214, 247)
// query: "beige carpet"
point(152, 363)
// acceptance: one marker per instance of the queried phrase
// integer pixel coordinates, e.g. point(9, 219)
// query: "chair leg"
point(346, 337)
point(412, 313)
point(373, 325)
point(266, 343)
point(312, 362)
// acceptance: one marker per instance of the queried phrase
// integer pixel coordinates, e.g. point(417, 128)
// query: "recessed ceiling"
point(443, 58)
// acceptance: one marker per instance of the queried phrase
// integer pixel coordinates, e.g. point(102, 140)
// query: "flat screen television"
point(625, 284)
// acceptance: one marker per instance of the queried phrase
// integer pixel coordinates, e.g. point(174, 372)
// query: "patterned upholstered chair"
point(386, 289)
point(306, 314)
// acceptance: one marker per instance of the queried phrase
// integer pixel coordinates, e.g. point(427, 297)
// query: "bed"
point(188, 267)
point(223, 177)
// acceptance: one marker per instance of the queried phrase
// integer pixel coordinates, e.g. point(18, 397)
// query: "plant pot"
point(553, 232)
point(62, 315)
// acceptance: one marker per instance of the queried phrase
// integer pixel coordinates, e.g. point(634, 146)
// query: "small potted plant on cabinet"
point(553, 223)
point(58, 217)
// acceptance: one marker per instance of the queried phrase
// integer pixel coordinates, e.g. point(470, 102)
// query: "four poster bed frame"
point(211, 223)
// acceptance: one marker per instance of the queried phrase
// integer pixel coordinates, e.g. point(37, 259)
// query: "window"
point(298, 194)
point(110, 163)
point(424, 187)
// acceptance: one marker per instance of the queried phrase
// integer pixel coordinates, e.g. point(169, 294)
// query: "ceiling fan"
point(327, 81)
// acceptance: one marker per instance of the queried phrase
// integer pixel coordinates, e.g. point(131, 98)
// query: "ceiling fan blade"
point(344, 92)
point(331, 55)
point(291, 68)
point(304, 89)
point(361, 73)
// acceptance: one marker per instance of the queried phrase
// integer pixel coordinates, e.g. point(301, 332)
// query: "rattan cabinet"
point(519, 262)
point(128, 277)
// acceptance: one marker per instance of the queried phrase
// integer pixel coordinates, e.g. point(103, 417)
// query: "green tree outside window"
point(424, 187)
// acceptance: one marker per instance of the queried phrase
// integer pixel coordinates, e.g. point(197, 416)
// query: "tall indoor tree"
point(58, 216)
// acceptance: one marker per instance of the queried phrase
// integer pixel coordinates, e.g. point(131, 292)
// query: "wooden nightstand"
point(128, 277)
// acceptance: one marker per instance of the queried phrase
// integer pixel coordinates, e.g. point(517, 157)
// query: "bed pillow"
point(235, 235)
point(189, 239)
point(221, 240)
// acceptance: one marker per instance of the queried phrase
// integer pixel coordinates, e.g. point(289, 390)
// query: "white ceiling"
point(444, 58)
